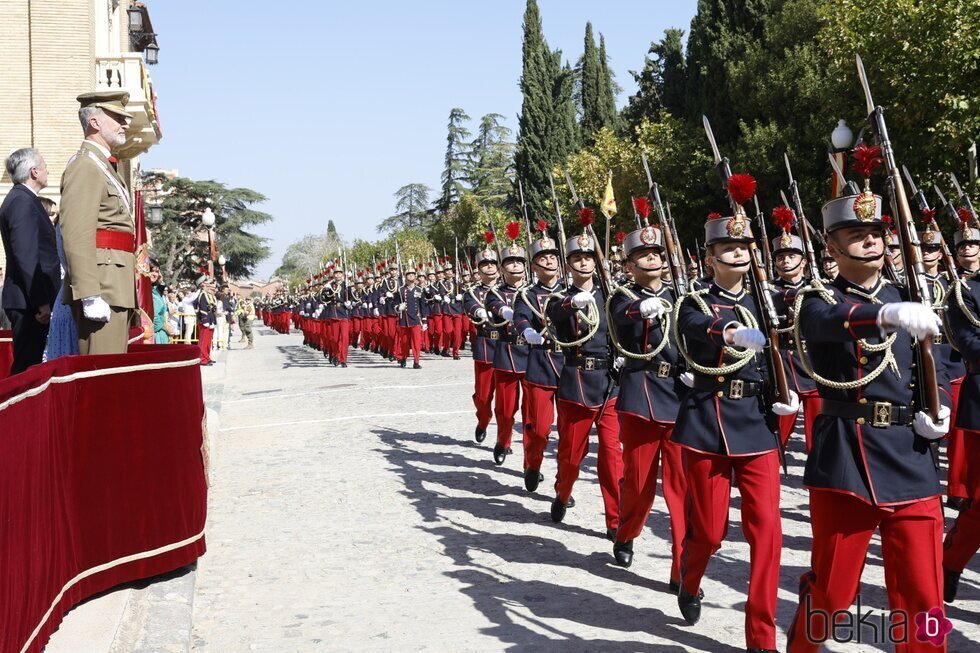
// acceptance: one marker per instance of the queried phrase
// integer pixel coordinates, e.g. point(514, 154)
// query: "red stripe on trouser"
point(342, 339)
point(957, 477)
point(483, 392)
point(645, 444)
point(507, 389)
point(574, 424)
point(811, 408)
point(458, 322)
point(435, 327)
point(538, 421)
point(709, 479)
point(963, 539)
point(204, 335)
point(842, 526)
point(355, 331)
point(409, 338)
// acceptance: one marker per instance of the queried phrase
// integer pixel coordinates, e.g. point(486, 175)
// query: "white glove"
point(425, 326)
point(446, 299)
point(459, 297)
point(533, 337)
point(687, 378)
point(389, 294)
point(652, 308)
point(438, 298)
point(507, 313)
point(481, 313)
point(619, 362)
point(930, 430)
point(915, 318)
point(749, 338)
point(376, 313)
point(347, 304)
point(583, 299)
point(96, 309)
point(401, 307)
point(792, 408)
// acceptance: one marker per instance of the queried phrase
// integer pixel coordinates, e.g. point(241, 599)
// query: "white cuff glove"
point(389, 294)
point(652, 308)
point(930, 430)
point(618, 363)
point(915, 318)
point(401, 307)
point(425, 326)
point(446, 299)
point(376, 313)
point(96, 309)
point(583, 299)
point(459, 297)
point(533, 337)
point(792, 408)
point(481, 313)
point(507, 313)
point(749, 338)
point(438, 298)
point(348, 304)
point(687, 378)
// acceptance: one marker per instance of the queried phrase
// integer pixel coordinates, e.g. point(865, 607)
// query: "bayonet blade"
point(571, 187)
point(789, 169)
point(864, 84)
point(939, 194)
point(711, 138)
point(956, 184)
point(785, 201)
point(755, 200)
point(908, 178)
point(840, 173)
point(646, 169)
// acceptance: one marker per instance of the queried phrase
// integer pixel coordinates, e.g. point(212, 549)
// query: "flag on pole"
point(608, 207)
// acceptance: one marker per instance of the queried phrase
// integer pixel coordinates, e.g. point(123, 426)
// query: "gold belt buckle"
point(556, 347)
point(663, 370)
point(521, 340)
point(589, 363)
point(494, 335)
point(883, 414)
point(937, 339)
point(736, 389)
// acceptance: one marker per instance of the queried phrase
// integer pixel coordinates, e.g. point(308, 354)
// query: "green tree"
point(306, 254)
point(492, 161)
point(608, 89)
point(332, 230)
point(661, 85)
point(411, 209)
point(456, 161)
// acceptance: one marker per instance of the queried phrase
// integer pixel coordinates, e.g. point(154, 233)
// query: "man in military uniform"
point(871, 465)
point(485, 343)
point(97, 229)
point(411, 324)
point(545, 360)
point(206, 306)
point(966, 240)
point(649, 388)
point(452, 317)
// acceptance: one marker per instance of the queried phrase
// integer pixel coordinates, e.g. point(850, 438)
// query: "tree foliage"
point(411, 209)
point(457, 160)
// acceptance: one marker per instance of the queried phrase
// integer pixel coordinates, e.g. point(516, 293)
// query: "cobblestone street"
point(352, 510)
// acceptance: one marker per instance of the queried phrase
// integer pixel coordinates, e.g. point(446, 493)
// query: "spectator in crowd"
point(62, 334)
point(162, 329)
point(206, 306)
point(246, 313)
point(221, 321)
point(188, 312)
point(4, 321)
point(33, 274)
point(173, 309)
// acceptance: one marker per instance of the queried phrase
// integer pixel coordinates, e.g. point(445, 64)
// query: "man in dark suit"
point(33, 270)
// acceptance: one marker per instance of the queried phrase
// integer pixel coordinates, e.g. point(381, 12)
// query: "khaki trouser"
point(102, 337)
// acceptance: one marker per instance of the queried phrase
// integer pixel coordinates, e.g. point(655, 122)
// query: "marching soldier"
point(452, 316)
point(485, 342)
point(648, 396)
point(871, 465)
point(967, 243)
point(545, 360)
point(586, 389)
point(411, 324)
point(97, 229)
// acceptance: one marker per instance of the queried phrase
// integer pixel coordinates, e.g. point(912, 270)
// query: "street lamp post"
point(842, 138)
point(221, 261)
point(207, 219)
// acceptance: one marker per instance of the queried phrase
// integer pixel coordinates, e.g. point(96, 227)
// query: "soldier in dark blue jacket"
point(586, 389)
point(871, 465)
point(485, 343)
point(545, 360)
point(411, 323)
point(649, 387)
point(724, 426)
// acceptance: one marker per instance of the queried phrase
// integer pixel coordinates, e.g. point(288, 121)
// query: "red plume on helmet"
point(964, 215)
point(928, 215)
point(714, 215)
point(642, 206)
point(488, 236)
point(513, 230)
point(866, 159)
point(541, 226)
point(620, 237)
point(586, 217)
point(784, 217)
point(741, 187)
point(887, 219)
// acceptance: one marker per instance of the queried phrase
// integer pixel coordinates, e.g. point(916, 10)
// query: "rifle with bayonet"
point(777, 388)
point(920, 200)
point(527, 220)
point(561, 228)
point(605, 280)
point(965, 200)
point(764, 237)
point(811, 254)
point(927, 385)
point(678, 273)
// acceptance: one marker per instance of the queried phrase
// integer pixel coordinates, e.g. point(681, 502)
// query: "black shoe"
point(455, 358)
point(956, 503)
point(557, 510)
point(401, 363)
point(690, 606)
point(480, 434)
point(761, 650)
point(326, 355)
point(445, 354)
point(611, 534)
point(571, 502)
point(531, 479)
point(500, 453)
point(675, 586)
point(951, 581)
point(623, 552)
point(343, 364)
point(416, 366)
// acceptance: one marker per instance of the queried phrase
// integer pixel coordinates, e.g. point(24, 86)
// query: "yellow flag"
point(608, 199)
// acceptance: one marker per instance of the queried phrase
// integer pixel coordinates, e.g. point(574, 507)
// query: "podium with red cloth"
point(103, 465)
point(6, 351)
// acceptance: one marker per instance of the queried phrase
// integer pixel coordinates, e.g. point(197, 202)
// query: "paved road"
point(350, 509)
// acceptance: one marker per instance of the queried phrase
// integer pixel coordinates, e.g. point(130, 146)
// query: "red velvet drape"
point(6, 351)
point(102, 480)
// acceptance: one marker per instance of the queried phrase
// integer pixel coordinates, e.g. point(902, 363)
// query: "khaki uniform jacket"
point(89, 201)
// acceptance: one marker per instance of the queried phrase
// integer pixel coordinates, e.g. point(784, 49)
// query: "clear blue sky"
point(327, 108)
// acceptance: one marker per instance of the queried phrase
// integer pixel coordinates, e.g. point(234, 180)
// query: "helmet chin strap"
point(793, 269)
point(733, 265)
point(864, 259)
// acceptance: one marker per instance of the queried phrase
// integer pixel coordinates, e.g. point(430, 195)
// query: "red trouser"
point(957, 476)
point(842, 525)
point(408, 338)
point(963, 539)
point(390, 324)
point(811, 408)
point(355, 331)
point(537, 423)
point(483, 392)
point(435, 330)
point(574, 424)
point(341, 338)
point(709, 479)
point(644, 444)
point(459, 324)
point(204, 335)
point(507, 389)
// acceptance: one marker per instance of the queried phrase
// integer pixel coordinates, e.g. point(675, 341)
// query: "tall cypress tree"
point(661, 86)
point(607, 89)
point(590, 87)
point(566, 137)
point(456, 161)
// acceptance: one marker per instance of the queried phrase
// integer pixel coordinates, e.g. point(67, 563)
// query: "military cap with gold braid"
point(111, 101)
point(647, 237)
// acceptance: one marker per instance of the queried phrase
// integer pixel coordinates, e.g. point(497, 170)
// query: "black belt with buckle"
point(731, 388)
point(587, 362)
point(662, 369)
point(876, 413)
point(517, 339)
point(492, 334)
point(552, 347)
